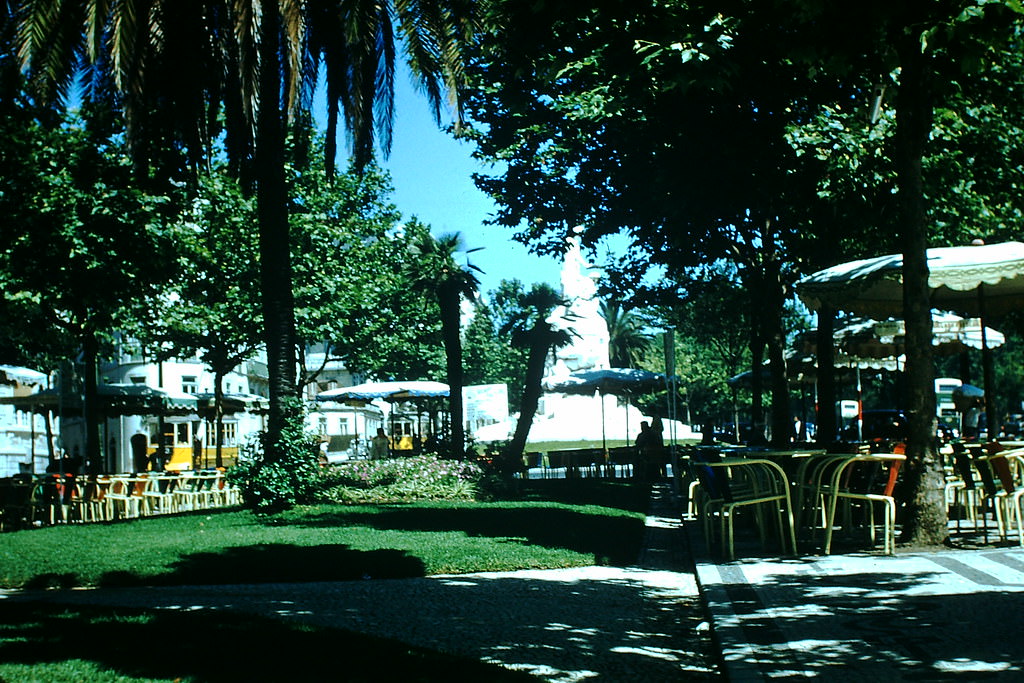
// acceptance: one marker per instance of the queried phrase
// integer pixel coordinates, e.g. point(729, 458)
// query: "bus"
point(945, 409)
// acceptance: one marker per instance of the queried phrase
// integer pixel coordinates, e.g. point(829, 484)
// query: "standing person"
point(971, 418)
point(379, 445)
point(157, 459)
point(656, 447)
point(643, 443)
point(140, 458)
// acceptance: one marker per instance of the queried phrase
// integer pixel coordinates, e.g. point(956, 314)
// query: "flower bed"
point(422, 477)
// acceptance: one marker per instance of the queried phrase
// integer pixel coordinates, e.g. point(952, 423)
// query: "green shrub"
point(290, 478)
point(423, 477)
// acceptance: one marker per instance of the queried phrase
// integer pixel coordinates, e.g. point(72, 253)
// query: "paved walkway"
point(932, 616)
point(613, 624)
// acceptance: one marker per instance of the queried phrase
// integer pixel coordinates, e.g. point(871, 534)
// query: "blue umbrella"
point(615, 381)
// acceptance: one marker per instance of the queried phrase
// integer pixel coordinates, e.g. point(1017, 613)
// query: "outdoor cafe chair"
point(196, 491)
point(158, 496)
point(226, 493)
point(998, 485)
point(16, 502)
point(48, 499)
point(730, 484)
point(997, 472)
point(121, 500)
point(811, 484)
point(86, 502)
point(865, 479)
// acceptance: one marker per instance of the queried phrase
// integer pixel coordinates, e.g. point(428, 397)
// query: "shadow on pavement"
point(50, 642)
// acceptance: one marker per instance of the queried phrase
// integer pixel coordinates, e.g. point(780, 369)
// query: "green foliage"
point(276, 476)
point(390, 330)
point(627, 342)
point(86, 251)
point(400, 480)
point(351, 289)
point(213, 310)
point(489, 356)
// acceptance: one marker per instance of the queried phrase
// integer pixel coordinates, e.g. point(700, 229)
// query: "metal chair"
point(730, 484)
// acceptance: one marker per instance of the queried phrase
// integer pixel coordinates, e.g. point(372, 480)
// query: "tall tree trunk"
point(826, 399)
point(218, 417)
point(450, 313)
point(757, 363)
point(775, 335)
point(91, 407)
point(531, 395)
point(926, 521)
point(275, 252)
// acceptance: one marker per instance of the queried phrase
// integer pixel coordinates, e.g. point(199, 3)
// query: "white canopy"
point(389, 391)
point(874, 287)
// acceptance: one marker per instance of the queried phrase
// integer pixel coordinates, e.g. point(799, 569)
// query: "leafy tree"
point(489, 355)
point(351, 285)
point(627, 342)
point(533, 330)
point(84, 248)
point(608, 103)
point(172, 66)
point(210, 311)
point(433, 269)
point(711, 344)
point(611, 99)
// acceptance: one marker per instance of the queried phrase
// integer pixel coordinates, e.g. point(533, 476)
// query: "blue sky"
point(432, 173)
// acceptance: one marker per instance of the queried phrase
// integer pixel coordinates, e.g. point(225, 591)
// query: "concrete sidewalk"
point(916, 616)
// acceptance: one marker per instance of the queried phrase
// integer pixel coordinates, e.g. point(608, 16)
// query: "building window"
point(343, 426)
point(189, 384)
point(322, 426)
point(229, 435)
point(183, 438)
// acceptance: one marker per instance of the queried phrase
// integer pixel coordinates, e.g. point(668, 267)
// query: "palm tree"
point(186, 71)
point(532, 329)
point(433, 269)
point(626, 341)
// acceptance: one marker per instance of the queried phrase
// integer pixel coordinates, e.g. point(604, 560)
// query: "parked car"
point(883, 423)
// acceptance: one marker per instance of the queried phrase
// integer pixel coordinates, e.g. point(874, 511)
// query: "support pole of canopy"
point(604, 441)
point(987, 370)
point(860, 407)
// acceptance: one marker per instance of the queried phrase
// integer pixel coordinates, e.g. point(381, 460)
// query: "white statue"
point(589, 347)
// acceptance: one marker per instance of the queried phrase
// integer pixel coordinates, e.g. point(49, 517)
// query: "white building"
point(23, 446)
point(344, 429)
point(188, 438)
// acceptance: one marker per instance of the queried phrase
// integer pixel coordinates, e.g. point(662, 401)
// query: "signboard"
point(485, 404)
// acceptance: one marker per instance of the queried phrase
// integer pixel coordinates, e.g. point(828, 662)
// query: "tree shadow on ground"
point(912, 616)
point(261, 563)
point(615, 537)
point(626, 495)
point(558, 628)
point(47, 642)
point(875, 625)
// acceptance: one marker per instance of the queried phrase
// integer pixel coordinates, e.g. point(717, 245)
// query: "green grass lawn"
point(557, 524)
point(554, 524)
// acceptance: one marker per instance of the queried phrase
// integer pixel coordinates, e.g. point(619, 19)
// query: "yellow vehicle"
point(188, 449)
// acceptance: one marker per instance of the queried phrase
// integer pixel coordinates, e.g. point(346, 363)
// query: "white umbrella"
point(12, 374)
